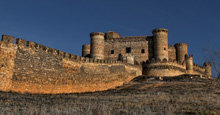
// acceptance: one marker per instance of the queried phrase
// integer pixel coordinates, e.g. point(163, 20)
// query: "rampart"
point(163, 68)
point(171, 68)
point(33, 68)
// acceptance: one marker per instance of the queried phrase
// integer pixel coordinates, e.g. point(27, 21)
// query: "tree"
point(214, 58)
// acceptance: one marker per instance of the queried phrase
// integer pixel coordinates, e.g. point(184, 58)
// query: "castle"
point(152, 52)
point(107, 62)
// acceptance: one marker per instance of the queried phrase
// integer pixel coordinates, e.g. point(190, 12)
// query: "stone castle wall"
point(33, 68)
point(141, 48)
point(171, 68)
point(163, 68)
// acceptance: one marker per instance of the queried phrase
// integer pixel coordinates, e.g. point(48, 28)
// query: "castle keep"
point(107, 62)
point(156, 56)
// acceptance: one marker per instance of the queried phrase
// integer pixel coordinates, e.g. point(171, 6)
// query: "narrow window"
point(142, 51)
point(128, 50)
point(112, 51)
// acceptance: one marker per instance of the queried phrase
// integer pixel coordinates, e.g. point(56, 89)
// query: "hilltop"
point(143, 95)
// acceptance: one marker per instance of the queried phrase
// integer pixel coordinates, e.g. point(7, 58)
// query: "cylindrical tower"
point(189, 64)
point(160, 41)
point(181, 51)
point(208, 70)
point(86, 50)
point(172, 53)
point(97, 45)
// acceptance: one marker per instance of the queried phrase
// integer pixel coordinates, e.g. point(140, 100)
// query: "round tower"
point(97, 45)
point(208, 69)
point(160, 42)
point(86, 50)
point(181, 51)
point(189, 64)
point(171, 52)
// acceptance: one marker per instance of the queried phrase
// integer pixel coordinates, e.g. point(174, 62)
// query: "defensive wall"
point(170, 68)
point(28, 67)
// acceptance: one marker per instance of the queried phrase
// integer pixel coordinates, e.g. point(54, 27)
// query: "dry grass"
point(148, 96)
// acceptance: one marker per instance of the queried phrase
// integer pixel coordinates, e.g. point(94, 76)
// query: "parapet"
point(160, 30)
point(20, 42)
point(206, 64)
point(7, 39)
point(180, 44)
point(96, 33)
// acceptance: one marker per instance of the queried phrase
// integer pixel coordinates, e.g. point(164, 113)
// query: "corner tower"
point(181, 51)
point(189, 64)
point(160, 40)
point(97, 45)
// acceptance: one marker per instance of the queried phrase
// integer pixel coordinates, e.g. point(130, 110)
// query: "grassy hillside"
point(143, 95)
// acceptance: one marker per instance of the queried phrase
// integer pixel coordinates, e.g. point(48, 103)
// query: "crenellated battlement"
point(158, 62)
point(7, 39)
point(164, 67)
point(35, 46)
point(181, 44)
point(198, 68)
point(96, 33)
point(160, 30)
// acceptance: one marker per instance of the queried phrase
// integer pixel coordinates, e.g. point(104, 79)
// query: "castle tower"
point(112, 34)
point(171, 53)
point(160, 41)
point(181, 51)
point(97, 45)
point(86, 50)
point(189, 64)
point(208, 69)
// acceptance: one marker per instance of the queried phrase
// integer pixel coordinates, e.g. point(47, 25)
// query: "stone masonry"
point(152, 52)
point(28, 67)
point(107, 62)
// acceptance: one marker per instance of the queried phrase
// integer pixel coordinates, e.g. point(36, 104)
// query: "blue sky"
point(66, 24)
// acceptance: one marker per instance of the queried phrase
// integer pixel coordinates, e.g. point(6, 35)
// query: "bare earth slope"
point(143, 95)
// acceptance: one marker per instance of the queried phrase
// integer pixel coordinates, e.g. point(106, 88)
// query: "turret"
point(86, 50)
point(171, 52)
point(181, 51)
point(189, 64)
point(97, 45)
point(208, 69)
point(112, 34)
point(160, 41)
